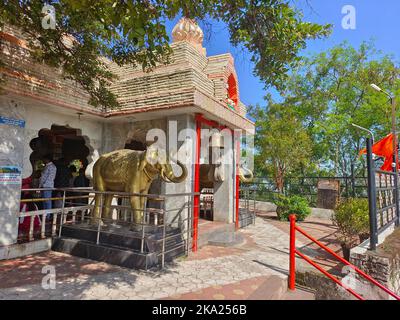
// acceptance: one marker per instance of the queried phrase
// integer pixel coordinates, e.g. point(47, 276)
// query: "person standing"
point(81, 182)
point(62, 180)
point(47, 180)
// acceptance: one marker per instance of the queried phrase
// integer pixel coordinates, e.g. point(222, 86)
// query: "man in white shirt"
point(47, 180)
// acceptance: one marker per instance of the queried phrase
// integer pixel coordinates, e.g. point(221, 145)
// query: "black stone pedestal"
point(119, 245)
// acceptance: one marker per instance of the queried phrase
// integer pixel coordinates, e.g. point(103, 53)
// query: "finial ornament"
point(188, 30)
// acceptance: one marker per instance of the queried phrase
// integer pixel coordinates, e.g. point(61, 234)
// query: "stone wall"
point(325, 289)
point(383, 268)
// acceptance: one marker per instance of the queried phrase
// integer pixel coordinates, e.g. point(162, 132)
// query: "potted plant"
point(352, 220)
point(292, 205)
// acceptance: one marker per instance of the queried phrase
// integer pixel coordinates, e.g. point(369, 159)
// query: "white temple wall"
point(15, 149)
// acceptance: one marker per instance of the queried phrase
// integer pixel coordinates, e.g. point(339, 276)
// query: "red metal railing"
point(292, 262)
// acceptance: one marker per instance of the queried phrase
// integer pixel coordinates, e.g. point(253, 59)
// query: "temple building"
point(42, 112)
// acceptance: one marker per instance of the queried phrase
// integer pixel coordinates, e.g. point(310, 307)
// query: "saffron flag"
point(383, 148)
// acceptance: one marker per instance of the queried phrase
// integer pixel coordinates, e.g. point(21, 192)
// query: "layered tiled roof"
point(191, 78)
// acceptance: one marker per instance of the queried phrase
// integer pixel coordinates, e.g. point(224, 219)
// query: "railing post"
point(254, 206)
point(371, 197)
point(353, 181)
point(188, 231)
point(54, 225)
point(143, 224)
point(62, 215)
point(100, 215)
point(164, 235)
point(292, 254)
point(31, 227)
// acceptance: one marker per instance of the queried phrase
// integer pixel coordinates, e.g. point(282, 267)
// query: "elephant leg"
point(96, 209)
point(137, 210)
point(98, 185)
point(107, 212)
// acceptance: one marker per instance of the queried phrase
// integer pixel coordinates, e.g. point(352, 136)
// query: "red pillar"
point(237, 183)
point(196, 202)
point(292, 254)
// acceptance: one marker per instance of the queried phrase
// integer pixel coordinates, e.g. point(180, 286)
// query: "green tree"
point(331, 90)
point(283, 145)
point(133, 32)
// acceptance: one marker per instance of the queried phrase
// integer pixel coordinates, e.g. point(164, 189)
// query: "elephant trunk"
point(245, 175)
point(168, 173)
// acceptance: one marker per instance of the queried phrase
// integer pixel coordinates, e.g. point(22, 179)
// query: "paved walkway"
point(321, 229)
point(239, 271)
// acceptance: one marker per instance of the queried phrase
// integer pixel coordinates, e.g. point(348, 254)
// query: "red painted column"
point(237, 183)
point(196, 202)
point(292, 252)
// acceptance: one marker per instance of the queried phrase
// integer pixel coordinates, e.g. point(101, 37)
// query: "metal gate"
point(383, 197)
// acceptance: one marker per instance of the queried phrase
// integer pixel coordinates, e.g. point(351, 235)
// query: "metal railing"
point(49, 227)
point(292, 263)
point(159, 219)
point(307, 186)
point(383, 197)
point(247, 205)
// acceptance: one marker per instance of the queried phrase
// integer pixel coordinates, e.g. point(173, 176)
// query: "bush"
point(352, 219)
point(292, 205)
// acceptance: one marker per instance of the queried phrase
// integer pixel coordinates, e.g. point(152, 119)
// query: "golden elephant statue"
point(210, 173)
point(130, 171)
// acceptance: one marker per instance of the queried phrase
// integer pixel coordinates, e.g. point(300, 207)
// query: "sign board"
point(12, 122)
point(10, 175)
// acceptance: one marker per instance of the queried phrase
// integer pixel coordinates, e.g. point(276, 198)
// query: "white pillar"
point(12, 136)
point(186, 154)
point(224, 191)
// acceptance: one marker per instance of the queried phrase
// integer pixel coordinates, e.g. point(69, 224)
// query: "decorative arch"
point(51, 140)
point(232, 89)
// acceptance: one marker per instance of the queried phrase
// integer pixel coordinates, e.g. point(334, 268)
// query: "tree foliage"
point(331, 90)
point(133, 32)
point(312, 131)
point(283, 146)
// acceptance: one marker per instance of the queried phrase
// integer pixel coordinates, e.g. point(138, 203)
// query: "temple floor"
point(257, 268)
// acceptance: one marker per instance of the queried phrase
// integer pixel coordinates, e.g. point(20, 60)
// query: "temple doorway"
point(65, 145)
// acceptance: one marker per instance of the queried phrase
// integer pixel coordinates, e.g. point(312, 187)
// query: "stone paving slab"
point(257, 288)
point(264, 253)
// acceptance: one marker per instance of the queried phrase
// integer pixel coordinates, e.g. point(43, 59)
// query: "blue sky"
point(375, 19)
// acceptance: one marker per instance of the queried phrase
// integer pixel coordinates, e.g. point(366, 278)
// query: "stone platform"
point(119, 245)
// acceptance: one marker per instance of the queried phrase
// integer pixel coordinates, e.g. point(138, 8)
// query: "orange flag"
point(383, 148)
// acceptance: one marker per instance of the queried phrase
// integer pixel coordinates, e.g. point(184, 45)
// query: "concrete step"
point(115, 255)
point(123, 237)
point(109, 254)
point(273, 288)
point(120, 246)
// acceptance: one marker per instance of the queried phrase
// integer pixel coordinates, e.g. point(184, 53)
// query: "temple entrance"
point(66, 148)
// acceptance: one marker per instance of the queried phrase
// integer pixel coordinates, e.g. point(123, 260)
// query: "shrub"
point(352, 219)
point(292, 205)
